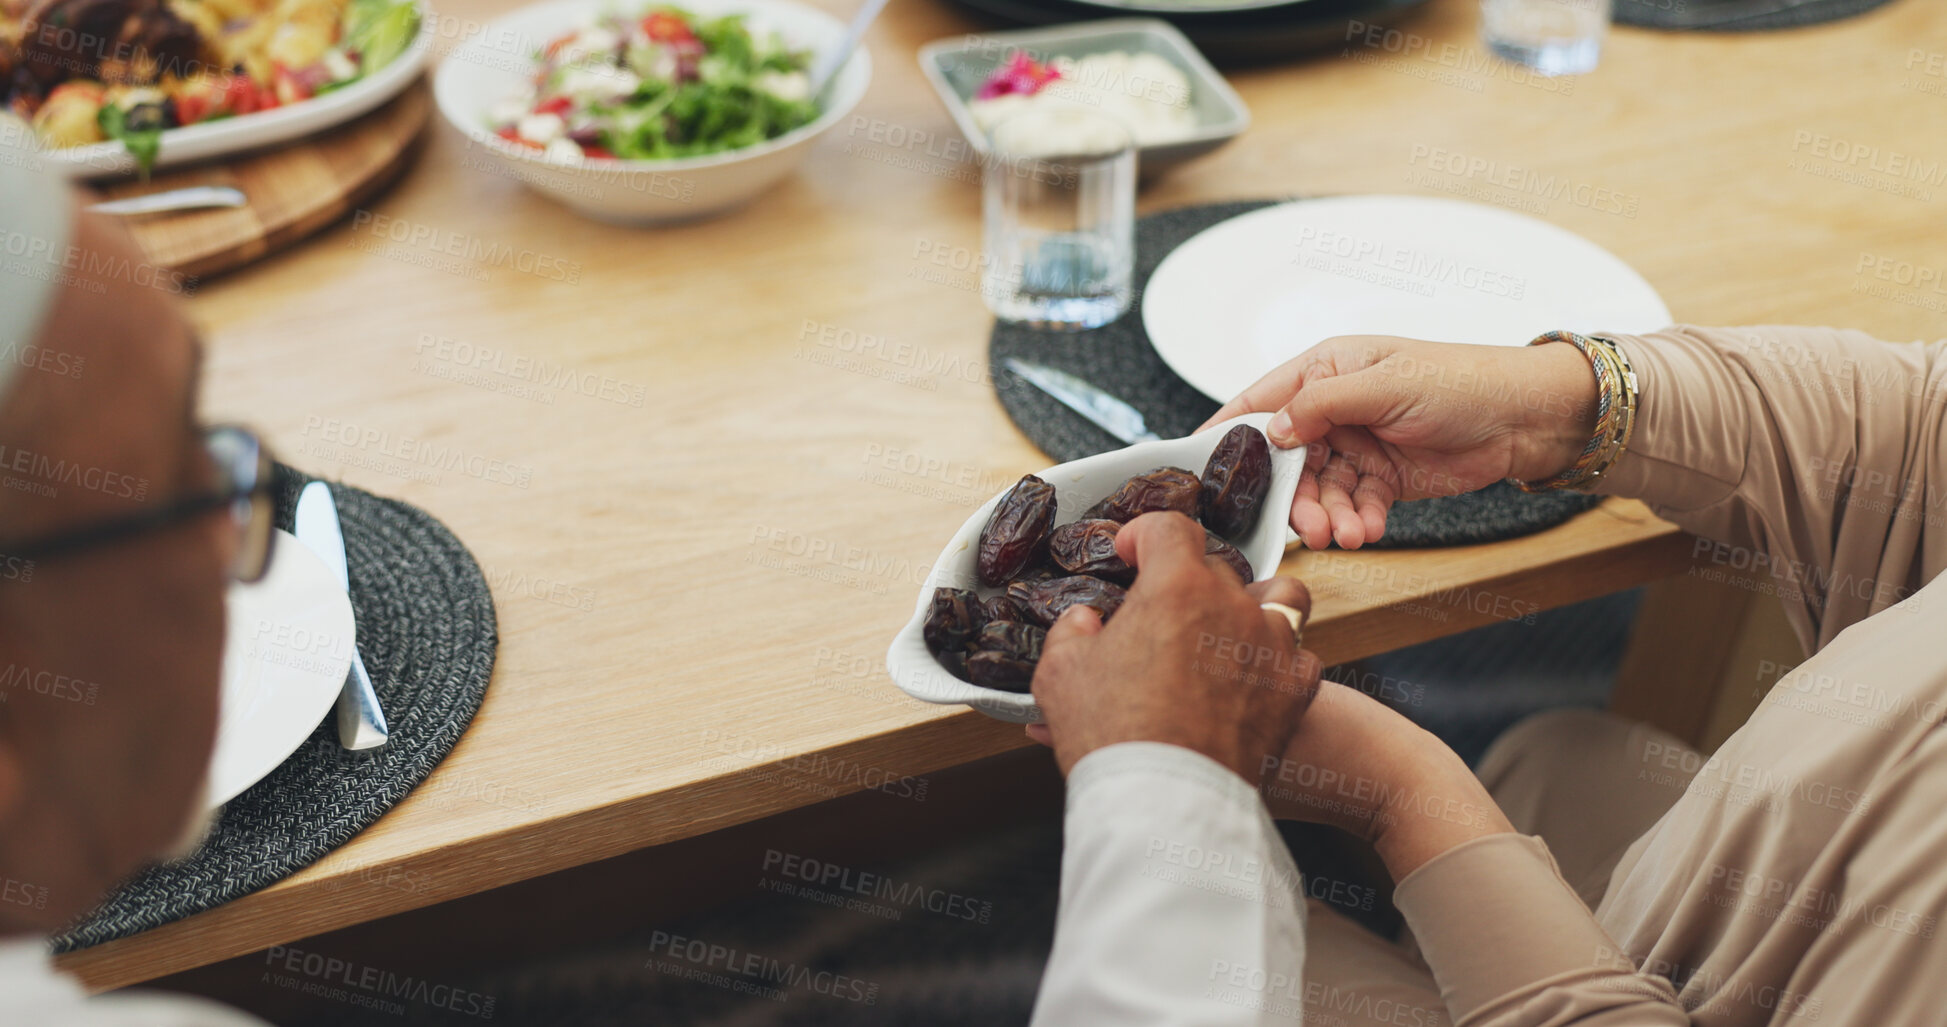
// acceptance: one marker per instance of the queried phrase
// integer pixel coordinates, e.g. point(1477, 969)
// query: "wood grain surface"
point(706, 467)
point(294, 190)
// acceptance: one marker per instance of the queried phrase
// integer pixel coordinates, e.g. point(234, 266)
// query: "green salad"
point(661, 85)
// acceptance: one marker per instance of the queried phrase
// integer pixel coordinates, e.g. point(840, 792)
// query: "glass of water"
point(1554, 37)
point(1059, 196)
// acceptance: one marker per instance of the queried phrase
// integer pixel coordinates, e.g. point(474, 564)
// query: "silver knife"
point(1102, 409)
point(194, 197)
point(361, 724)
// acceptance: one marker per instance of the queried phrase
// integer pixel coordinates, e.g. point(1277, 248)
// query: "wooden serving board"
point(294, 190)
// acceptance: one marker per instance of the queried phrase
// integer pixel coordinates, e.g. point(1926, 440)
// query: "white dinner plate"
point(286, 651)
point(225, 136)
point(1246, 295)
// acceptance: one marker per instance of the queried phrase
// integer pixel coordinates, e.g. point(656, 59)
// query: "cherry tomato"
point(514, 137)
point(242, 96)
point(239, 95)
point(191, 108)
point(664, 27)
point(555, 105)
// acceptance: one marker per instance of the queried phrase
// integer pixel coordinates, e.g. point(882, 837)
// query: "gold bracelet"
point(1616, 406)
point(1625, 405)
point(1577, 472)
point(1629, 390)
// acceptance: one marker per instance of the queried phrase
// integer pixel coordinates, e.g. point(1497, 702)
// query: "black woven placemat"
point(1737, 15)
point(427, 634)
point(1119, 358)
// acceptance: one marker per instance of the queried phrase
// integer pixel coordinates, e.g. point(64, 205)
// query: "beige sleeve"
point(1808, 459)
point(1879, 944)
point(1811, 463)
point(1512, 945)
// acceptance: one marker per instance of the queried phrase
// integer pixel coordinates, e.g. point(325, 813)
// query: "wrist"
point(1558, 415)
point(1438, 806)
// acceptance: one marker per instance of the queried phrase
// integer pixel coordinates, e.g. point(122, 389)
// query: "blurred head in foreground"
point(110, 652)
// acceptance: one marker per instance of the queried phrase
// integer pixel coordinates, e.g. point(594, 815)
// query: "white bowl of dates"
point(1048, 543)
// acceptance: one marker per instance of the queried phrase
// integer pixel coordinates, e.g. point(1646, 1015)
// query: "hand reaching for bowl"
point(1189, 659)
point(1390, 419)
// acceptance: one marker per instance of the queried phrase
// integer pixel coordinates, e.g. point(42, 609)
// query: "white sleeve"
point(31, 992)
point(1179, 901)
point(34, 214)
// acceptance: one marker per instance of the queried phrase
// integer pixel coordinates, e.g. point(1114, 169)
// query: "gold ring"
point(1296, 620)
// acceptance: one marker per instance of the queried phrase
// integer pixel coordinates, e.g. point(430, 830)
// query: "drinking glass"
point(1059, 197)
point(1554, 37)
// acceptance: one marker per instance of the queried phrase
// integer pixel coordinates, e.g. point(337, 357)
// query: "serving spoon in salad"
point(831, 60)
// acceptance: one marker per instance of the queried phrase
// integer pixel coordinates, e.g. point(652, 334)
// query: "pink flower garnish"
point(1021, 74)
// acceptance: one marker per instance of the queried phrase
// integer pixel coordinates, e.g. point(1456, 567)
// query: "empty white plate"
point(285, 654)
point(1246, 295)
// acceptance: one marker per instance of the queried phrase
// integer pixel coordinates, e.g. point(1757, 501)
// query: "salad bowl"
point(499, 62)
point(1078, 485)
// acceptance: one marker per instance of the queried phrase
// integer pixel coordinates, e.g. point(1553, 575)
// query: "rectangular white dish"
point(958, 66)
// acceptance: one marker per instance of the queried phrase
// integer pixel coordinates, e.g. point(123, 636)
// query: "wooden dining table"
point(703, 521)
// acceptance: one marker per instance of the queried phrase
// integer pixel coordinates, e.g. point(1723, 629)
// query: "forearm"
point(1512, 945)
point(1440, 806)
point(1812, 454)
point(1365, 769)
point(1509, 941)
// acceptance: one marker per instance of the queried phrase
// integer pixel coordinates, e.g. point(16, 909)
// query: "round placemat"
point(427, 634)
point(1119, 358)
point(1737, 15)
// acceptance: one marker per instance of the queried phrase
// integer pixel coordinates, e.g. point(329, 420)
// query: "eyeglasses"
point(243, 482)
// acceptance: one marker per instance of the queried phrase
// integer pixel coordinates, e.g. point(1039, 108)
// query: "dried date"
point(952, 619)
point(1001, 608)
point(1235, 482)
point(955, 662)
point(1088, 547)
point(996, 642)
point(1044, 601)
point(1217, 547)
point(1004, 655)
point(1040, 572)
point(1018, 530)
point(1165, 488)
